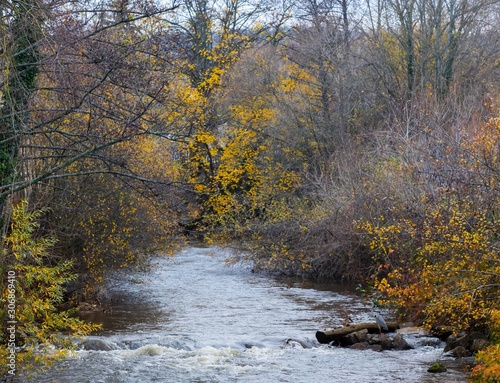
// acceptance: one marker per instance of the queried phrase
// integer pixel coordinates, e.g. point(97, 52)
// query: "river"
point(194, 319)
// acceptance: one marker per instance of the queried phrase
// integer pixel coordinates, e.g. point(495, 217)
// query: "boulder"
point(450, 343)
point(353, 338)
point(464, 341)
point(472, 342)
point(460, 352)
point(378, 338)
point(478, 345)
point(387, 342)
point(399, 343)
point(453, 342)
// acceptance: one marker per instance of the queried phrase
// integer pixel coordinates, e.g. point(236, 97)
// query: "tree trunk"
point(337, 334)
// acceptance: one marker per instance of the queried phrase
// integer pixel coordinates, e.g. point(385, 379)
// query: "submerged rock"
point(437, 368)
point(366, 346)
point(430, 342)
point(95, 345)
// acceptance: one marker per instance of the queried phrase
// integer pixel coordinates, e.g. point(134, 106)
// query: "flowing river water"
point(193, 319)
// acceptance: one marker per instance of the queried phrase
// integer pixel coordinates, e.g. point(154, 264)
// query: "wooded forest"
point(352, 140)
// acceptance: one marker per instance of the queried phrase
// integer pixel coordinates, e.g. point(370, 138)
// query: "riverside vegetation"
point(334, 140)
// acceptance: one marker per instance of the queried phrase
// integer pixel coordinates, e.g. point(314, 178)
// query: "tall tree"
point(322, 44)
point(211, 38)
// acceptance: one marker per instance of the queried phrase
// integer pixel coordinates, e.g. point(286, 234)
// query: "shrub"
point(437, 248)
point(36, 290)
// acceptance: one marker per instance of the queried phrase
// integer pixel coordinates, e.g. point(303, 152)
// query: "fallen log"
point(339, 333)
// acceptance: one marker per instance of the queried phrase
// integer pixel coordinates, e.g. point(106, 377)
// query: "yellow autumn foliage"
point(488, 371)
point(36, 292)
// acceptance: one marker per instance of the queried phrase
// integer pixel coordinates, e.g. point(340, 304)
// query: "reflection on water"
point(124, 310)
point(195, 320)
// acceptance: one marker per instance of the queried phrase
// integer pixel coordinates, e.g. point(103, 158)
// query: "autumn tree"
point(208, 39)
